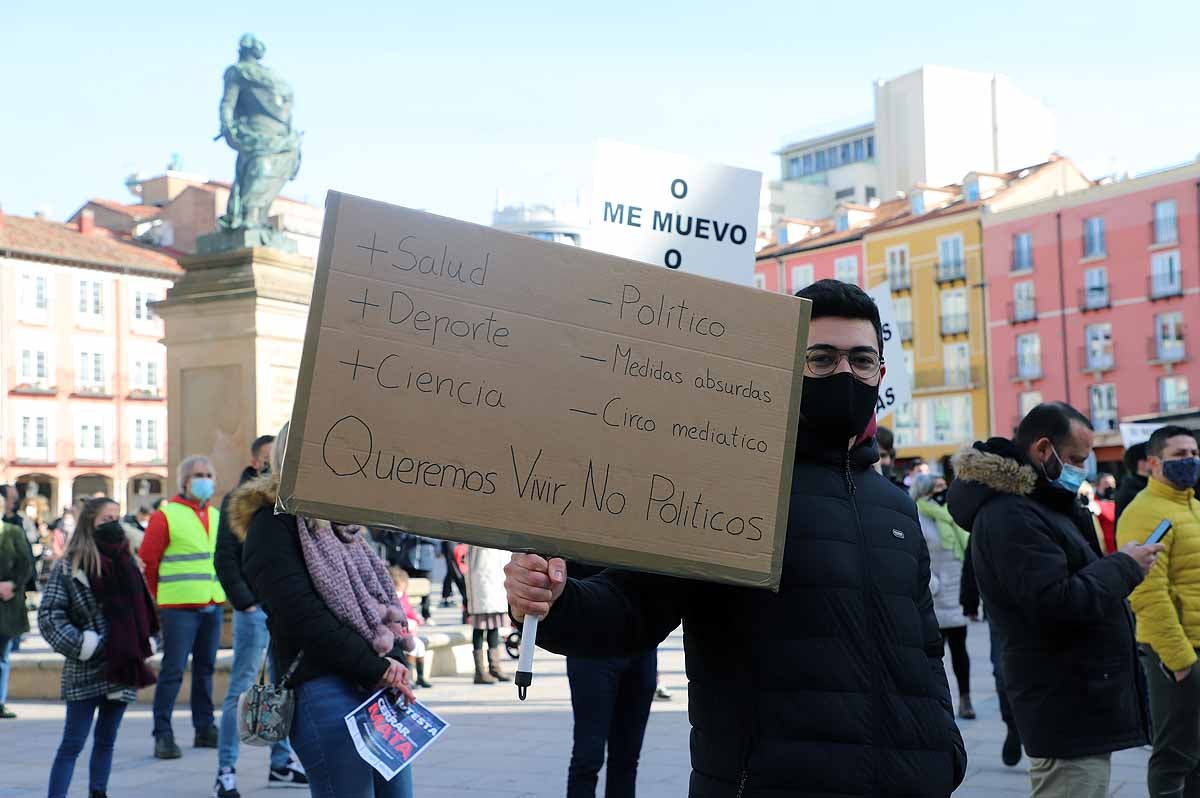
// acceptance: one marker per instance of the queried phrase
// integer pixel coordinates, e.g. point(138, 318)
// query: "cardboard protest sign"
point(494, 389)
point(895, 390)
point(674, 211)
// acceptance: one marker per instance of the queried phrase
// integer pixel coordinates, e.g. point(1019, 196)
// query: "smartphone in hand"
point(1159, 533)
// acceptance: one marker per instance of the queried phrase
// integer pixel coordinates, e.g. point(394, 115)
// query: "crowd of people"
point(835, 684)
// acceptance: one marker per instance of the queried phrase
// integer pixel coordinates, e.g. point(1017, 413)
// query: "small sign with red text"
point(389, 736)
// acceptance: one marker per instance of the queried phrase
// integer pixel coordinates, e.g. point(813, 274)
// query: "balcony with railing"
point(1097, 360)
point(949, 271)
point(1022, 311)
point(1021, 262)
point(906, 330)
point(1105, 421)
point(1094, 297)
point(948, 378)
point(1161, 351)
point(1164, 285)
point(955, 324)
point(1025, 369)
point(1164, 231)
point(900, 279)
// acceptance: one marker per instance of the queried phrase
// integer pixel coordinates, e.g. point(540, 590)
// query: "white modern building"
point(561, 224)
point(931, 126)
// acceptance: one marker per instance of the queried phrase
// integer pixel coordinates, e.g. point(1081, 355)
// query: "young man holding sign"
point(835, 684)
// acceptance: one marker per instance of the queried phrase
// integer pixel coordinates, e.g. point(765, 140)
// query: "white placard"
point(670, 210)
point(895, 388)
point(1133, 434)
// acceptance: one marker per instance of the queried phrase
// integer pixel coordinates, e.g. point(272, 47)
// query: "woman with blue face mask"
point(178, 553)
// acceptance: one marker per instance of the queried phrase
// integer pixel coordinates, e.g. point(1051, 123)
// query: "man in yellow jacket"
point(1167, 606)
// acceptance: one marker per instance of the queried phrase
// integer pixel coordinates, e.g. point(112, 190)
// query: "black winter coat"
point(1128, 490)
point(297, 617)
point(832, 686)
point(228, 557)
point(1070, 660)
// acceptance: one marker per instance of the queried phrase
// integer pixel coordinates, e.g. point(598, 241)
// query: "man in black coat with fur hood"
point(1070, 658)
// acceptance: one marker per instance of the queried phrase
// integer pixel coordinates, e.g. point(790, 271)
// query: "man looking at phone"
point(1167, 606)
point(1070, 661)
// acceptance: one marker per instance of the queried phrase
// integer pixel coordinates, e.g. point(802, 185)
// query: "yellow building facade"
point(933, 263)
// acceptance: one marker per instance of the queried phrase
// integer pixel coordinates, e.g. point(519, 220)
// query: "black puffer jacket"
point(1070, 660)
point(228, 557)
point(1131, 485)
point(833, 686)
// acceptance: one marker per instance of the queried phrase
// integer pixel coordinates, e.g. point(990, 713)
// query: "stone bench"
point(35, 675)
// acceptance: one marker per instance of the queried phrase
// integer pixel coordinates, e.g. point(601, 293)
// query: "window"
point(845, 269)
point(950, 258)
point(141, 305)
point(91, 436)
point(802, 277)
point(843, 221)
point(956, 365)
point(806, 164)
point(34, 366)
point(860, 149)
point(870, 146)
point(91, 298)
point(145, 436)
point(35, 293)
point(903, 309)
point(145, 372)
point(1099, 349)
point(1022, 258)
point(34, 441)
point(831, 157)
point(92, 373)
point(1103, 401)
point(844, 194)
point(899, 276)
point(1093, 237)
point(821, 165)
point(1029, 356)
point(954, 312)
point(793, 167)
point(1095, 288)
point(1166, 229)
point(1027, 401)
point(844, 155)
point(1024, 302)
point(917, 204)
point(759, 281)
point(1168, 337)
point(971, 191)
point(1166, 279)
point(1172, 394)
point(870, 193)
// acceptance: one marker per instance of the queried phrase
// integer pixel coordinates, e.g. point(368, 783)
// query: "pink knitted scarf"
point(353, 581)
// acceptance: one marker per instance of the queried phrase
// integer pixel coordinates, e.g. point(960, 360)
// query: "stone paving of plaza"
point(490, 732)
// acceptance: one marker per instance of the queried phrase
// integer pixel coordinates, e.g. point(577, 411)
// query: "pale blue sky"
point(441, 105)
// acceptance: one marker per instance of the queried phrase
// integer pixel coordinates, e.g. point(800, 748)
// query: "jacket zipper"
point(865, 567)
point(742, 782)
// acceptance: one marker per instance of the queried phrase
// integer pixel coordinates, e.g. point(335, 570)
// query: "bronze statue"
point(256, 121)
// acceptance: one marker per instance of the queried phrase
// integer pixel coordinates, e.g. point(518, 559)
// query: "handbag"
point(265, 711)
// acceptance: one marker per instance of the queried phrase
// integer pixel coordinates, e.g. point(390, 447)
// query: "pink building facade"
point(1088, 297)
point(788, 272)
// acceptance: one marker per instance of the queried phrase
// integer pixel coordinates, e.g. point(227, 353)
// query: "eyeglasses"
point(823, 361)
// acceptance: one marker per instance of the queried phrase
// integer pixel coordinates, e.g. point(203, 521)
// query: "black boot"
point(97, 794)
point(1010, 754)
point(421, 673)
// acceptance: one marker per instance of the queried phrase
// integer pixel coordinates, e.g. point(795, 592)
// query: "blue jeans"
point(610, 697)
point(187, 632)
point(322, 741)
point(250, 639)
point(75, 734)
point(6, 644)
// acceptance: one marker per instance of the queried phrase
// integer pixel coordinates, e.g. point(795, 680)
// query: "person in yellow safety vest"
point(178, 553)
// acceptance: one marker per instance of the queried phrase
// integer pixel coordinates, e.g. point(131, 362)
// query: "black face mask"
point(838, 407)
point(112, 532)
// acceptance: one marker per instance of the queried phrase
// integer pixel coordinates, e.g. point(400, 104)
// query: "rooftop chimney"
point(87, 221)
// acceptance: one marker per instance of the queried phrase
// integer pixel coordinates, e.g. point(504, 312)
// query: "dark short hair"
point(1048, 420)
point(4, 489)
point(1158, 441)
point(143, 510)
point(259, 442)
point(885, 439)
point(835, 299)
point(1134, 455)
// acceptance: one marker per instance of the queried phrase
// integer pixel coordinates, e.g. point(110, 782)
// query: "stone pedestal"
point(234, 332)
